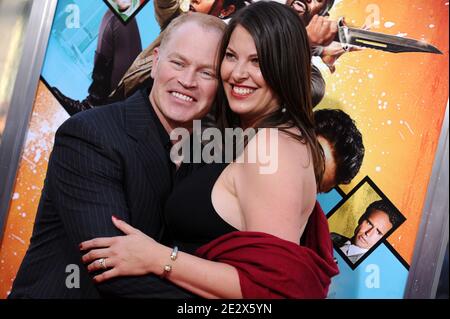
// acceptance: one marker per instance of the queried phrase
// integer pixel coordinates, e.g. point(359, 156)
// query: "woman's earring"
point(283, 110)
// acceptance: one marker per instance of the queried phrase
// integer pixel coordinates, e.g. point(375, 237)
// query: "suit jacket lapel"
point(140, 126)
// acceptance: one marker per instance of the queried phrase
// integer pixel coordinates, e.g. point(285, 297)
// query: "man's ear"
point(155, 62)
point(228, 11)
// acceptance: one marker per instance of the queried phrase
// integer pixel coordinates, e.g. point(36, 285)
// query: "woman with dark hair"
point(236, 230)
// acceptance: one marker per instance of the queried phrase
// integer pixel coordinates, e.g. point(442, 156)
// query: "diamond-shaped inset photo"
point(125, 9)
point(361, 222)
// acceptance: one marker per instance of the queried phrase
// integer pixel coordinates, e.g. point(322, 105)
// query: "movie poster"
point(394, 102)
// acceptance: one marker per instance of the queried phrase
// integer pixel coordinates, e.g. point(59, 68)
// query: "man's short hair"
point(346, 140)
point(383, 206)
point(208, 22)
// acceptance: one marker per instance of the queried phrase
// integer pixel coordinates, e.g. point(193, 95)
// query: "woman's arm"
point(137, 254)
point(205, 278)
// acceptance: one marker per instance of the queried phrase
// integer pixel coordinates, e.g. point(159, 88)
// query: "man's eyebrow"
point(176, 55)
point(208, 66)
point(378, 230)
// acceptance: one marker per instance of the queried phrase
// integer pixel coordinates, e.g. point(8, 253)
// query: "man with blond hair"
point(114, 160)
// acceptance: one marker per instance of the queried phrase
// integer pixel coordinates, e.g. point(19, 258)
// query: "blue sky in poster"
point(70, 52)
point(380, 275)
point(328, 200)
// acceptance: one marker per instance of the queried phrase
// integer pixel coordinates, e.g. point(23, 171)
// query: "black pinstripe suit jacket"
point(105, 161)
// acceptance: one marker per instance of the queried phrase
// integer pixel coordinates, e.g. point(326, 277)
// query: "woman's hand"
point(129, 255)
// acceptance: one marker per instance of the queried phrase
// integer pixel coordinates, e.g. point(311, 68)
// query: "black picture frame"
point(367, 180)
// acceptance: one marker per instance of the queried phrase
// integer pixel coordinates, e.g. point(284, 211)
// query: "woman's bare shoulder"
point(277, 191)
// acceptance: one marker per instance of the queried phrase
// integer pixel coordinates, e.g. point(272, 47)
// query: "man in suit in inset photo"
point(378, 219)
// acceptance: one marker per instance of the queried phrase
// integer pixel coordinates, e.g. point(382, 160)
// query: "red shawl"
point(271, 267)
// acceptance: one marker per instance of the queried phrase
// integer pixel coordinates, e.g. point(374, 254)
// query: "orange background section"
point(397, 100)
point(47, 116)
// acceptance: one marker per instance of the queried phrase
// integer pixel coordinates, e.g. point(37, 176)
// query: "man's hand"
point(321, 31)
point(332, 52)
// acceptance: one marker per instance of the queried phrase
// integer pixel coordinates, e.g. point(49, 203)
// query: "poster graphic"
point(393, 105)
point(126, 9)
point(361, 222)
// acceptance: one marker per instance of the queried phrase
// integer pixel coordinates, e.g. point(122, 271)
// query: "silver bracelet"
point(174, 253)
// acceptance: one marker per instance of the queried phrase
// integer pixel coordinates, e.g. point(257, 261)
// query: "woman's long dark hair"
point(285, 61)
